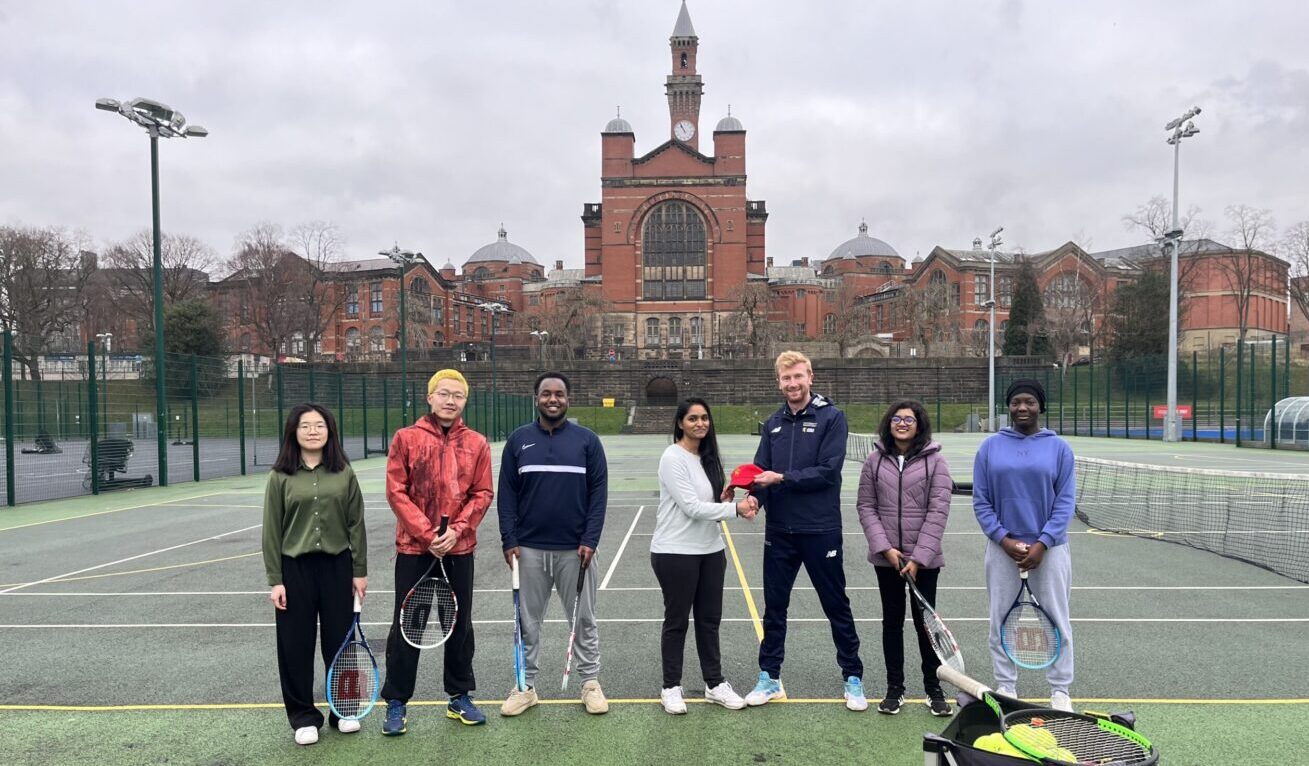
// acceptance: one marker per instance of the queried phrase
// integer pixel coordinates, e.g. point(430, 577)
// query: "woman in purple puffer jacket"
point(904, 500)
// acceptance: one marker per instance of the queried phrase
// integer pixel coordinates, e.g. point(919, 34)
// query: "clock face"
point(684, 130)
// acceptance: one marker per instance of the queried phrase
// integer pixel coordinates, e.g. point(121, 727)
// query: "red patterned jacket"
point(430, 473)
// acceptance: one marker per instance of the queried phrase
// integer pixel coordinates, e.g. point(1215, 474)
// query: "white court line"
point(656, 589)
point(635, 620)
point(613, 567)
point(129, 558)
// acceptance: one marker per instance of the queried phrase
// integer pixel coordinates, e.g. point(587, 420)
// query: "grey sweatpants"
point(1052, 584)
point(539, 572)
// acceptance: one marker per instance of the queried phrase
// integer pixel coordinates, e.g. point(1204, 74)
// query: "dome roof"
point(618, 125)
point(729, 123)
point(501, 251)
point(863, 245)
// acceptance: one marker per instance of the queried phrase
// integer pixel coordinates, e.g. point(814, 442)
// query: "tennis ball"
point(1062, 754)
point(1038, 738)
point(996, 743)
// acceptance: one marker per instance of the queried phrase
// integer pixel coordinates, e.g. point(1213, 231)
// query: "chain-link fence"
point(78, 424)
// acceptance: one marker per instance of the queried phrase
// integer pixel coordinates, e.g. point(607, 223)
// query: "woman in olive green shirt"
point(316, 556)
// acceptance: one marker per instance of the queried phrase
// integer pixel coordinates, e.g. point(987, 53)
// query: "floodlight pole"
point(1180, 128)
point(990, 338)
point(403, 259)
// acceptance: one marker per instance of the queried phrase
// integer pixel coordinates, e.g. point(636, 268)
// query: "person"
point(903, 504)
point(438, 467)
point(801, 452)
point(686, 553)
point(316, 557)
point(1024, 494)
point(554, 484)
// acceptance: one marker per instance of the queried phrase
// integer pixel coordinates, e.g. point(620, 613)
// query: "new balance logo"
point(831, 554)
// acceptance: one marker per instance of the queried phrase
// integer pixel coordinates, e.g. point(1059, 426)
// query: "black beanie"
point(1026, 386)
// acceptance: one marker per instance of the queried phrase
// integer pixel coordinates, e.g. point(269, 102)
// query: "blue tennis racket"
point(520, 661)
point(353, 683)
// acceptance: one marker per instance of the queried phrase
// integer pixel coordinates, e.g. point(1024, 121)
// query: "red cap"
point(744, 475)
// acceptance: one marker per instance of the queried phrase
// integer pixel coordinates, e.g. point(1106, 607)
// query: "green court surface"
point(137, 630)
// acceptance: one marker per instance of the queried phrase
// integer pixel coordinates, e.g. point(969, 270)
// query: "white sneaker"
point(346, 726)
point(1060, 701)
point(306, 735)
point(1006, 692)
point(723, 694)
point(672, 701)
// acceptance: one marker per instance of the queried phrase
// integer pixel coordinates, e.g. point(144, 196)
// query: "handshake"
point(748, 507)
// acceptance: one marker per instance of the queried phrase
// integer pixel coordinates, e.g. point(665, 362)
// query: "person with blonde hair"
point(802, 452)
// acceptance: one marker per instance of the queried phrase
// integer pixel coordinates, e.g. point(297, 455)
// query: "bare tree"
point(573, 322)
point(1155, 217)
point(750, 326)
point(849, 319)
point(1251, 228)
point(1071, 302)
point(931, 313)
point(42, 276)
point(128, 280)
point(1295, 249)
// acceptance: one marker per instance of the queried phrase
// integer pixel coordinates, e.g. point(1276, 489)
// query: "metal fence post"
point(313, 390)
point(1272, 412)
point(363, 401)
point(277, 372)
point(9, 416)
point(92, 417)
point(1195, 396)
point(340, 404)
point(386, 415)
point(1222, 394)
point(195, 419)
point(1240, 368)
point(240, 408)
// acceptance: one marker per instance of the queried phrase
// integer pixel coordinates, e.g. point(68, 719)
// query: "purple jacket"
point(898, 510)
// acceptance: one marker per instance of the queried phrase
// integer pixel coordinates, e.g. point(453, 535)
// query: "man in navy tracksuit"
point(554, 485)
point(802, 452)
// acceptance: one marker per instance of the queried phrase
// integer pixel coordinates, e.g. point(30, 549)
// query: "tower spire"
point(684, 86)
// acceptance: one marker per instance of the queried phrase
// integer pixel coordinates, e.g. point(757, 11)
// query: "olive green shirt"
point(314, 511)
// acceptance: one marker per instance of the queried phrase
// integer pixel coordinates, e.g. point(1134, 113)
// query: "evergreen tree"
point(194, 326)
point(1025, 335)
point(1139, 317)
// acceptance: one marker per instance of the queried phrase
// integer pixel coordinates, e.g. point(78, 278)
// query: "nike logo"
point(525, 446)
point(775, 430)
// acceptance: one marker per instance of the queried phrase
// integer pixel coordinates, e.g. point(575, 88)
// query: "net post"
point(8, 372)
point(240, 408)
point(92, 416)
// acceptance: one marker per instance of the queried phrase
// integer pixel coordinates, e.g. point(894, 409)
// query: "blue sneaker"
point(767, 689)
point(854, 694)
point(394, 725)
point(463, 710)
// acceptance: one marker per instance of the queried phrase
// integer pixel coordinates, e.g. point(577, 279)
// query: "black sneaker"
point(939, 706)
point(892, 704)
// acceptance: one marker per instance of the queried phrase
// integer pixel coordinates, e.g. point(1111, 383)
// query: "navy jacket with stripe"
point(808, 449)
point(554, 486)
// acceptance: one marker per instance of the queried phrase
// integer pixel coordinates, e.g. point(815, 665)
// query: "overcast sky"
point(428, 124)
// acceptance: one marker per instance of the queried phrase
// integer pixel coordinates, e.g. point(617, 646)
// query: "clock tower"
point(684, 87)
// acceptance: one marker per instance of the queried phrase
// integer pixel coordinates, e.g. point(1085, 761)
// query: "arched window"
point(418, 286)
point(376, 341)
point(1067, 291)
point(697, 331)
point(937, 278)
point(353, 340)
point(652, 332)
point(675, 331)
point(884, 268)
point(684, 61)
point(482, 274)
point(673, 252)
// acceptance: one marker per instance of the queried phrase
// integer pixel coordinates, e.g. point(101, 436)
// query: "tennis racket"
point(1028, 636)
point(1059, 737)
point(520, 662)
point(943, 643)
point(353, 683)
point(572, 636)
point(432, 593)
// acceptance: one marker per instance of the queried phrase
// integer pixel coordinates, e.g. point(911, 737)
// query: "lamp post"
point(403, 259)
point(159, 121)
point(990, 336)
point(541, 335)
point(1180, 128)
point(496, 310)
point(107, 345)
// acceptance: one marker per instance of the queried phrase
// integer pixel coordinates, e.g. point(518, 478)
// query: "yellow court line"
point(114, 510)
point(745, 587)
point(151, 569)
point(634, 701)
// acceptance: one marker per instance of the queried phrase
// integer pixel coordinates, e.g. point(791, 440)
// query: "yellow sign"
point(608, 402)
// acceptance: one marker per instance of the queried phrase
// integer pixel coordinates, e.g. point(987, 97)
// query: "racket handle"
point(514, 567)
point(963, 682)
point(445, 522)
point(359, 605)
point(1022, 574)
point(581, 578)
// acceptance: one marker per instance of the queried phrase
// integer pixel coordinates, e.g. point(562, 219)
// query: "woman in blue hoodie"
point(1023, 496)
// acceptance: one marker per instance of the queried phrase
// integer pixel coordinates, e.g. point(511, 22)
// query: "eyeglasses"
point(906, 420)
point(312, 427)
point(454, 396)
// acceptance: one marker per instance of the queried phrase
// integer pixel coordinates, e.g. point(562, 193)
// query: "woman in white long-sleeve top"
point(687, 553)
point(903, 504)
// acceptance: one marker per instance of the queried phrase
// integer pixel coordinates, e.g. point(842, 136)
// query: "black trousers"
point(823, 558)
point(894, 590)
point(691, 582)
point(402, 659)
point(319, 588)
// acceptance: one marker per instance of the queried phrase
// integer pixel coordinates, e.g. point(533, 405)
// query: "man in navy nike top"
point(553, 488)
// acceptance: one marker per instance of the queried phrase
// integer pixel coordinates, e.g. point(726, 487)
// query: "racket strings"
point(1030, 636)
point(353, 685)
point(429, 598)
point(947, 649)
point(1086, 740)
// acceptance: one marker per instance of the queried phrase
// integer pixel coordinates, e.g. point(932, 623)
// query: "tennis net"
point(1259, 518)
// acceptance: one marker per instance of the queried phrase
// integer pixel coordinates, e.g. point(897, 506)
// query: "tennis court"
point(137, 630)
